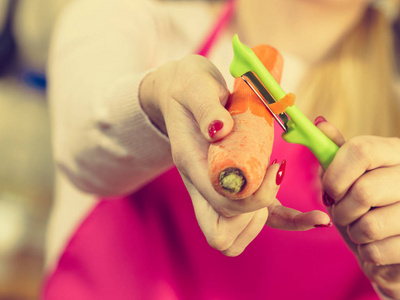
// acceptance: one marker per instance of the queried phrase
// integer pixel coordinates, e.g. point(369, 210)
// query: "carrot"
point(238, 162)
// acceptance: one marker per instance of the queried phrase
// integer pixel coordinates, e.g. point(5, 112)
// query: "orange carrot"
point(237, 163)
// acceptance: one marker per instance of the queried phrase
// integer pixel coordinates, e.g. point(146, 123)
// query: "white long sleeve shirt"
point(103, 142)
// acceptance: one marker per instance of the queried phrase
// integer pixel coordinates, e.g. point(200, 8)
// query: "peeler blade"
point(265, 97)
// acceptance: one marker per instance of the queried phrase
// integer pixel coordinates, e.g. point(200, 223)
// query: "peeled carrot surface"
point(238, 162)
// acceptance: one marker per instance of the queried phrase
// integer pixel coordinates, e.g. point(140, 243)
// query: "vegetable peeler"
point(297, 127)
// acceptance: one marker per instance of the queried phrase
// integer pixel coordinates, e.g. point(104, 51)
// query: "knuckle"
point(182, 87)
point(181, 161)
point(233, 251)
point(219, 241)
point(391, 274)
point(188, 62)
point(330, 186)
point(202, 110)
point(224, 211)
point(332, 195)
point(359, 148)
point(388, 275)
point(389, 291)
point(194, 58)
point(371, 253)
point(195, 62)
point(189, 65)
point(369, 228)
point(185, 73)
point(361, 193)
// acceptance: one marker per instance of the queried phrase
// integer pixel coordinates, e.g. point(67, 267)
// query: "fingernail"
point(281, 173)
point(318, 120)
point(214, 127)
point(327, 200)
point(323, 225)
point(274, 162)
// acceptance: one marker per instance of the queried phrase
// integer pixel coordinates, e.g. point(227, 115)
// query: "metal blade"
point(265, 98)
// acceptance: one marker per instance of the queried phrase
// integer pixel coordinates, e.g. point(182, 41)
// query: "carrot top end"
point(232, 180)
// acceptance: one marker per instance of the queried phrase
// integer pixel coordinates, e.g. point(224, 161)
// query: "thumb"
point(329, 130)
point(205, 98)
point(208, 109)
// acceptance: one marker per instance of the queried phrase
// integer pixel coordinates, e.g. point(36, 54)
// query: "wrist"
point(149, 101)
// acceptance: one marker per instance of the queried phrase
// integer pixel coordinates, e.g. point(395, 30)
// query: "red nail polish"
point(318, 120)
point(327, 200)
point(281, 173)
point(274, 162)
point(323, 225)
point(214, 127)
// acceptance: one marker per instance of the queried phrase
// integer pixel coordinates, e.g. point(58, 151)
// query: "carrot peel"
point(280, 106)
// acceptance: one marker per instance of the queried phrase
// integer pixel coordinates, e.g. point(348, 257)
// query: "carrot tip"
point(232, 180)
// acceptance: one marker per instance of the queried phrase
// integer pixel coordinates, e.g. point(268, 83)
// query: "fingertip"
point(318, 120)
point(313, 219)
point(320, 219)
point(214, 127)
point(329, 130)
point(323, 225)
point(327, 200)
point(276, 171)
point(219, 127)
point(265, 193)
point(214, 119)
point(281, 173)
point(269, 187)
point(272, 172)
point(286, 218)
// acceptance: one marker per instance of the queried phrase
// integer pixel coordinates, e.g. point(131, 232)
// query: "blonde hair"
point(358, 78)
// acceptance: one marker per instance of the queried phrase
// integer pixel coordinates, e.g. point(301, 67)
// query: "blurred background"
point(26, 170)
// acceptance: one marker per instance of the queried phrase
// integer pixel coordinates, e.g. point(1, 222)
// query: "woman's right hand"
point(185, 99)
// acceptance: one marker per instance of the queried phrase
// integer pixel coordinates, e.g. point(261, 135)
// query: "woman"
point(128, 100)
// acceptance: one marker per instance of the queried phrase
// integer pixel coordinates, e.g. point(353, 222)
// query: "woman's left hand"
point(362, 193)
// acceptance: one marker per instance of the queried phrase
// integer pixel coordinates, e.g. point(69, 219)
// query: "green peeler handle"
point(300, 129)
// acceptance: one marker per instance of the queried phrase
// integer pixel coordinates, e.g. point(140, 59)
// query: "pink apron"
point(149, 246)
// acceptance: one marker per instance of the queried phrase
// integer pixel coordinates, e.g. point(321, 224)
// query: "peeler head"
point(243, 58)
point(245, 64)
point(298, 129)
point(266, 98)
